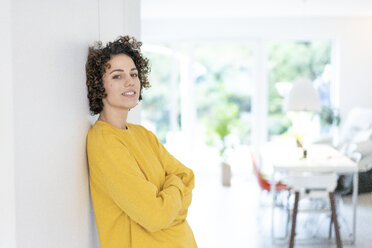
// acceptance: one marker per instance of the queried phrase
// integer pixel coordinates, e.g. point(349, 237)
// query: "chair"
point(262, 181)
point(355, 136)
point(324, 181)
point(265, 185)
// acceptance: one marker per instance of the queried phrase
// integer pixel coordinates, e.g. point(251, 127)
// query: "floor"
point(240, 215)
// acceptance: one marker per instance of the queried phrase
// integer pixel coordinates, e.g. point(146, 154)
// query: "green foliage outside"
point(329, 116)
point(223, 94)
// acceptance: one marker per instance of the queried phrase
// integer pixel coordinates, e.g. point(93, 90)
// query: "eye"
point(134, 75)
point(116, 77)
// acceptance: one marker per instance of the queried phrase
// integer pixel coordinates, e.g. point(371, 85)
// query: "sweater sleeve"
point(132, 192)
point(174, 167)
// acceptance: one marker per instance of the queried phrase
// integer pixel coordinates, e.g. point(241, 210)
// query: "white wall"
point(352, 34)
point(49, 41)
point(7, 191)
point(45, 118)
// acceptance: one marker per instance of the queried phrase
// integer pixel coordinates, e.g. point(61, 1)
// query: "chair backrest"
point(262, 182)
point(357, 127)
point(318, 181)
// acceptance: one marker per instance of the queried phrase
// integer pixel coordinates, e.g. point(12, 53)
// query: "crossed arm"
point(154, 209)
point(173, 167)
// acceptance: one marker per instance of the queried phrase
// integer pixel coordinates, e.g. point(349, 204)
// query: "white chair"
point(310, 182)
point(354, 135)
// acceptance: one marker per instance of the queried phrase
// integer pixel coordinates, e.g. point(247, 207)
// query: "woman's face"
point(121, 83)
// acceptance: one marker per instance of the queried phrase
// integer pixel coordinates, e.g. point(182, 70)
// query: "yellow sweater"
point(140, 192)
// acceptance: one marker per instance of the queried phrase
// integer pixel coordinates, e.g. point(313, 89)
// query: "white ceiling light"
point(303, 97)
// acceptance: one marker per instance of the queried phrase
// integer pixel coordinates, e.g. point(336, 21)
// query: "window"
point(203, 91)
point(160, 103)
point(223, 90)
point(291, 60)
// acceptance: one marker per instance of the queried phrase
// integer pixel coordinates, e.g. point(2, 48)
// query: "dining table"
point(282, 159)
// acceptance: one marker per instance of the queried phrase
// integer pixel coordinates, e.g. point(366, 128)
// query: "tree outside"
point(224, 94)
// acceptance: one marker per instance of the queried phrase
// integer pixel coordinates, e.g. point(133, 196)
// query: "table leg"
point(354, 199)
point(273, 192)
point(334, 218)
point(294, 218)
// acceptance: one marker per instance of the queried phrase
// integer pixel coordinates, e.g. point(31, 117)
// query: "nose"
point(128, 81)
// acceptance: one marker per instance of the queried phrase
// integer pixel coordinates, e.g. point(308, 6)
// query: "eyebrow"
point(133, 69)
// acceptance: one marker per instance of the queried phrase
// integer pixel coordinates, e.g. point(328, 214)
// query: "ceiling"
point(194, 9)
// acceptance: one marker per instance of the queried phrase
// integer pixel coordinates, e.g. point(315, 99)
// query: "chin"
point(127, 104)
point(131, 106)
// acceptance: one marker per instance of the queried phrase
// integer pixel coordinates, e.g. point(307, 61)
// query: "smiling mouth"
point(129, 93)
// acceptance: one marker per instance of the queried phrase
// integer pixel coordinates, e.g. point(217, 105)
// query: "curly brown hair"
point(97, 64)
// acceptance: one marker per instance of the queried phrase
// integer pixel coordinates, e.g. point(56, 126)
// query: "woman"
point(140, 192)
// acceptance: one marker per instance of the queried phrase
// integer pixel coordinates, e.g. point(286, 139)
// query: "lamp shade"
point(303, 97)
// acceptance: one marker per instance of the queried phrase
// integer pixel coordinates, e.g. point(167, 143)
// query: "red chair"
point(280, 187)
point(262, 181)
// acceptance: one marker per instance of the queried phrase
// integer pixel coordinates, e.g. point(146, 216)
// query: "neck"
point(115, 117)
